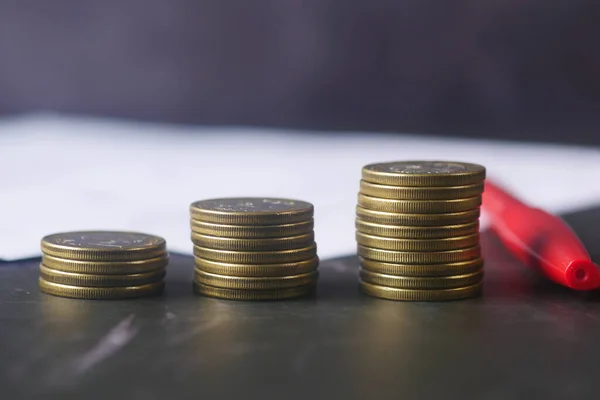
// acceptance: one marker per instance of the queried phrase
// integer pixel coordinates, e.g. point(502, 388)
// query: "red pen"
point(540, 240)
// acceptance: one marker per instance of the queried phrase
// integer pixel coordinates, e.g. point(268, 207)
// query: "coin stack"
point(254, 248)
point(103, 265)
point(418, 230)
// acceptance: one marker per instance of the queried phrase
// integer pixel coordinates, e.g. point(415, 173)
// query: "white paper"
point(60, 174)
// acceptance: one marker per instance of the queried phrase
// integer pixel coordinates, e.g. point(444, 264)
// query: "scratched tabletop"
point(523, 337)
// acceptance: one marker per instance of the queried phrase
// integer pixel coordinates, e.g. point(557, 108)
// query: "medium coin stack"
point(417, 228)
point(103, 265)
point(254, 248)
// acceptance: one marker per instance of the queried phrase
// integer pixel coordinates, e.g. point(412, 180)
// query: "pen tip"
point(583, 275)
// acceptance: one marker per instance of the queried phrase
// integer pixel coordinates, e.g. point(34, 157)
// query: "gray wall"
point(479, 67)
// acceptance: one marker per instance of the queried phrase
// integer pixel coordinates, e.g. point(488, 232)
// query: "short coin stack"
point(254, 248)
point(103, 265)
point(418, 230)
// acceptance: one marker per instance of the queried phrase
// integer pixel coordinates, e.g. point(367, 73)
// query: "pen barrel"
point(497, 202)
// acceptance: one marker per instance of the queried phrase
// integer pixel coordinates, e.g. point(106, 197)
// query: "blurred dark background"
point(526, 69)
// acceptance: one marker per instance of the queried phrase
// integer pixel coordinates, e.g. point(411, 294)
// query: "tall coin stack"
point(103, 265)
point(254, 248)
point(418, 230)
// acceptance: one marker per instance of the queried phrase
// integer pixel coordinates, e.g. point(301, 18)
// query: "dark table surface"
point(525, 337)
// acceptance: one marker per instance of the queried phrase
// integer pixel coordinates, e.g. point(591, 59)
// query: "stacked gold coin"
point(103, 265)
point(418, 230)
point(254, 248)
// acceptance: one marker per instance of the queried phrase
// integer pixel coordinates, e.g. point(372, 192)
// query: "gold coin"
point(417, 232)
point(70, 278)
point(249, 270)
point(410, 282)
point(254, 295)
point(105, 267)
point(268, 244)
point(385, 243)
point(421, 193)
point(418, 206)
point(390, 293)
point(245, 283)
point(252, 231)
point(420, 257)
point(100, 293)
point(251, 211)
point(104, 246)
point(423, 173)
point(442, 219)
point(257, 257)
point(425, 270)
